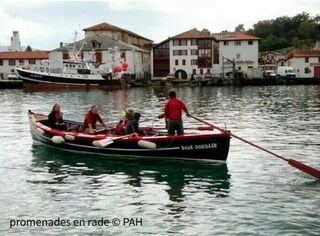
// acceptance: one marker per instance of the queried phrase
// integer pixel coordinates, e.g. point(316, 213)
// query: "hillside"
point(297, 32)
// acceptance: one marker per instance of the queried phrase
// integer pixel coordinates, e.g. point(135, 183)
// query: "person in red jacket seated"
point(91, 119)
point(172, 114)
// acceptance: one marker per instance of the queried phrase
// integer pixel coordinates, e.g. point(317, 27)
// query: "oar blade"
point(102, 143)
point(307, 169)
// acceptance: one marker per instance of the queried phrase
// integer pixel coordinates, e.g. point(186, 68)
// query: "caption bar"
point(102, 222)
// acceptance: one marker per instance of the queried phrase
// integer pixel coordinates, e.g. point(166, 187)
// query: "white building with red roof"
point(26, 59)
point(238, 48)
point(196, 53)
point(15, 57)
point(98, 45)
point(187, 54)
point(305, 62)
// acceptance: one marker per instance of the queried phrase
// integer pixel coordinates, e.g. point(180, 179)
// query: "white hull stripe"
point(55, 82)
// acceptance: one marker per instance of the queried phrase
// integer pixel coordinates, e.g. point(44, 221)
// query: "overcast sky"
point(43, 24)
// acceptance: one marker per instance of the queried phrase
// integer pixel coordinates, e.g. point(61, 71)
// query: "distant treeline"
point(300, 31)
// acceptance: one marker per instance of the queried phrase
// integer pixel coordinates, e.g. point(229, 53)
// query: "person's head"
point(94, 109)
point(136, 116)
point(130, 113)
point(172, 94)
point(56, 107)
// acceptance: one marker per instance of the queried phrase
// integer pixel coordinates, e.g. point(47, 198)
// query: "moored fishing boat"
point(77, 72)
point(75, 75)
point(208, 145)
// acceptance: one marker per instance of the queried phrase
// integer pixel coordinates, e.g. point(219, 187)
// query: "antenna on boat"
point(72, 48)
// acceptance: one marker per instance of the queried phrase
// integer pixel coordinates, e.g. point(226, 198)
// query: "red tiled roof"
point(193, 34)
point(303, 53)
point(108, 27)
point(232, 36)
point(24, 55)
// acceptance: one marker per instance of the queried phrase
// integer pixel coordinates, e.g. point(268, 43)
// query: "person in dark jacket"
point(132, 125)
point(55, 119)
point(173, 114)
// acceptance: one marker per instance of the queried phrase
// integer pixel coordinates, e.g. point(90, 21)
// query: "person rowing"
point(173, 114)
point(90, 120)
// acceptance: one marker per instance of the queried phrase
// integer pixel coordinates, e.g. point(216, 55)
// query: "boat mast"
point(72, 49)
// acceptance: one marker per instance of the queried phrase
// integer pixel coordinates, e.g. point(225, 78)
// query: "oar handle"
point(209, 124)
point(235, 136)
point(300, 166)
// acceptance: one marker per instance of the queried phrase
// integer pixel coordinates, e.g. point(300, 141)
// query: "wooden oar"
point(107, 141)
point(296, 164)
point(191, 128)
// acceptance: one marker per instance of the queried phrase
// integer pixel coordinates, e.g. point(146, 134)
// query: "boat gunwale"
point(90, 137)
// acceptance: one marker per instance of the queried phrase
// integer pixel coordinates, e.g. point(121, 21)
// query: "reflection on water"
point(179, 176)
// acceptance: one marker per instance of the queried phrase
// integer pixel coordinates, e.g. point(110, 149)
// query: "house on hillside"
point(271, 60)
point(305, 62)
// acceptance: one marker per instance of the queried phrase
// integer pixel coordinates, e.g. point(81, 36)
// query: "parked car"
point(286, 71)
point(12, 76)
point(269, 74)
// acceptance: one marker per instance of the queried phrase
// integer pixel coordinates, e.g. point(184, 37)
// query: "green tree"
point(296, 42)
point(28, 49)
point(300, 31)
point(240, 28)
point(273, 43)
point(298, 19)
point(306, 29)
point(262, 29)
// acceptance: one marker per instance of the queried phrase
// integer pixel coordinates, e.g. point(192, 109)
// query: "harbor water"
point(45, 191)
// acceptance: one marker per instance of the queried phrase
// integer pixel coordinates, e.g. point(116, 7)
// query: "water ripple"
point(255, 193)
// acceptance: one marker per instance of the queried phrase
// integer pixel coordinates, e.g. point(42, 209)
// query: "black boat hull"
point(35, 80)
point(207, 147)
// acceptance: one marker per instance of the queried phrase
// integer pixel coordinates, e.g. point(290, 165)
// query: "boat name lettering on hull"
point(199, 146)
point(36, 76)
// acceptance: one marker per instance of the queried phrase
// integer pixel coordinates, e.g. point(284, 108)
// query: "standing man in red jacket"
point(173, 112)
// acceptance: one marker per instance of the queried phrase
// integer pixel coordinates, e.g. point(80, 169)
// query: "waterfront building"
point(14, 56)
point(119, 34)
point(97, 48)
point(195, 53)
point(185, 55)
point(237, 51)
point(26, 59)
point(305, 62)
